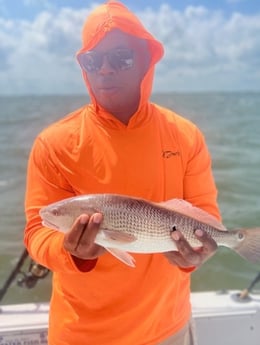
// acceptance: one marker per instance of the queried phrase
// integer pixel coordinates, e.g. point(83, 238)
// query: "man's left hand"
point(186, 256)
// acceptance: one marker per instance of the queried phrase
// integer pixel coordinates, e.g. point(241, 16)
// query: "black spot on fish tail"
point(249, 244)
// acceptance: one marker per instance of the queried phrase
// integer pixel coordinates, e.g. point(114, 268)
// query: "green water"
point(231, 124)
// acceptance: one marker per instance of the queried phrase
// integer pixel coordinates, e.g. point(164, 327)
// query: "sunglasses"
point(119, 59)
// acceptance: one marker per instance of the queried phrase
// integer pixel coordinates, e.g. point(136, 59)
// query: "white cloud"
point(204, 50)
point(40, 54)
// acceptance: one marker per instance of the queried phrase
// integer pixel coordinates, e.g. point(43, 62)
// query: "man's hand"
point(79, 241)
point(186, 256)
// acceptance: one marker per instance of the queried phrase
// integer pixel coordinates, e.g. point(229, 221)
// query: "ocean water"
point(231, 125)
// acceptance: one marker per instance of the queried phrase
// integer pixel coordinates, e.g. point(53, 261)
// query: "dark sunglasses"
point(118, 58)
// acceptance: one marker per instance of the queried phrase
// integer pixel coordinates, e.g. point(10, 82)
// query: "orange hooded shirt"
point(158, 156)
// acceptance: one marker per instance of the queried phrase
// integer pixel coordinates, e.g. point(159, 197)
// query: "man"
point(119, 143)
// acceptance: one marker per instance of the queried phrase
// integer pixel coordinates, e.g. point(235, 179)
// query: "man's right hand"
point(79, 241)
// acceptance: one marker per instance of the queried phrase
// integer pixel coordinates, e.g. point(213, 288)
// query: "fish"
point(135, 225)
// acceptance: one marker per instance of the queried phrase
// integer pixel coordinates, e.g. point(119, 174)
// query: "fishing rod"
point(245, 293)
point(28, 279)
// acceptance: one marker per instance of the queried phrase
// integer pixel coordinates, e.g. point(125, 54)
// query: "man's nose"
point(106, 67)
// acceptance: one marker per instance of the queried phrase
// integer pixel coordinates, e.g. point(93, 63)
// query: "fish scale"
point(137, 225)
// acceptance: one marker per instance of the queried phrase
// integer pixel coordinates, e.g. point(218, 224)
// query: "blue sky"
point(29, 8)
point(209, 45)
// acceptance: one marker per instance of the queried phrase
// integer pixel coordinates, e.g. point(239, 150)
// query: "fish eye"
point(55, 212)
point(240, 236)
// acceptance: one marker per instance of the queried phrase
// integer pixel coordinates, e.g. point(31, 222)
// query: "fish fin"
point(249, 244)
point(118, 236)
point(186, 208)
point(125, 257)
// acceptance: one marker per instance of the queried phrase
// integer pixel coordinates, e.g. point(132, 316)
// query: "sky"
point(209, 45)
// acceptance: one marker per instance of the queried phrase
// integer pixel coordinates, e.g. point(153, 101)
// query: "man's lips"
point(108, 89)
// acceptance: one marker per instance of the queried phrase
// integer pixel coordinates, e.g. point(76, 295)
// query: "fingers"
point(90, 230)
point(187, 256)
point(73, 236)
point(79, 241)
point(209, 245)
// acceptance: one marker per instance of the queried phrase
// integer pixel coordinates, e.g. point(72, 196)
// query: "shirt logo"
point(168, 154)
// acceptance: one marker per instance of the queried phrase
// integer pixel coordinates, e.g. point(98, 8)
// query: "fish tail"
point(249, 244)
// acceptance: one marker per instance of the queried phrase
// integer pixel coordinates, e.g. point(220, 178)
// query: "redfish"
point(136, 225)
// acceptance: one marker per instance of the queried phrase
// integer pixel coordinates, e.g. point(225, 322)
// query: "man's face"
point(118, 68)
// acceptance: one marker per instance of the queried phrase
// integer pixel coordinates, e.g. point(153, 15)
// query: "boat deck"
point(220, 318)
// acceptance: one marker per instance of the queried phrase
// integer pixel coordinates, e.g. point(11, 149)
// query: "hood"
point(114, 15)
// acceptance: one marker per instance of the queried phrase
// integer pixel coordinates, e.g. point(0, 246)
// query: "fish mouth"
point(49, 224)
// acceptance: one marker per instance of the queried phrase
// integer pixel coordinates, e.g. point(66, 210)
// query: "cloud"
point(207, 50)
point(204, 50)
point(40, 53)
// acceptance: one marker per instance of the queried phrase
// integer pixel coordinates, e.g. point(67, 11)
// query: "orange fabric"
point(115, 16)
point(157, 156)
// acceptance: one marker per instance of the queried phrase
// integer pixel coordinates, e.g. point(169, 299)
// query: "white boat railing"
point(221, 318)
